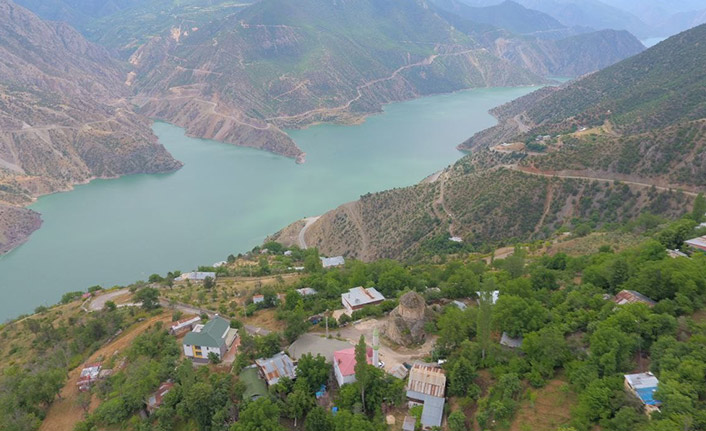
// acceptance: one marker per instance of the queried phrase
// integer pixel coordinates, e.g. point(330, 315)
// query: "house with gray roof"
point(216, 336)
point(274, 368)
point(427, 386)
point(643, 386)
point(196, 276)
point(330, 262)
point(359, 297)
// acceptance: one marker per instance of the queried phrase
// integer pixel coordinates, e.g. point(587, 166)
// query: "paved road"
point(308, 222)
point(97, 303)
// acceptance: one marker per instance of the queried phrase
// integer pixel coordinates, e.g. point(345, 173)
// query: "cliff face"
point(63, 114)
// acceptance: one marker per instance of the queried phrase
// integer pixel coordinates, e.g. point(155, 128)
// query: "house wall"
point(340, 378)
point(201, 352)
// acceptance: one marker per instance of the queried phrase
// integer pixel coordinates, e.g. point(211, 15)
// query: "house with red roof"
point(344, 364)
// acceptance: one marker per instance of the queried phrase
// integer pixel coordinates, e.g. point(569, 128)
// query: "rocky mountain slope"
point(278, 64)
point(602, 149)
point(244, 74)
point(64, 118)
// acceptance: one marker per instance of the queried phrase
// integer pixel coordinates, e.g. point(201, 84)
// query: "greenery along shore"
point(577, 342)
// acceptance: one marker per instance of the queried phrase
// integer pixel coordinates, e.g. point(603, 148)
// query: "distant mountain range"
point(602, 149)
point(643, 18)
point(72, 110)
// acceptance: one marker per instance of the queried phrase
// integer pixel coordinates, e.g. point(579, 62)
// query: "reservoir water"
point(227, 199)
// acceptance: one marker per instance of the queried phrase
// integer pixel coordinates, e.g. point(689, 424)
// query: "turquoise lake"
point(227, 199)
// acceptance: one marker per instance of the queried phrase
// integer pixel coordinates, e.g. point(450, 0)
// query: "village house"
point(643, 386)
point(155, 400)
point(508, 341)
point(427, 386)
point(196, 276)
point(183, 326)
point(258, 299)
point(632, 297)
point(676, 253)
point(216, 336)
point(697, 243)
point(89, 375)
point(344, 364)
point(306, 291)
point(330, 262)
point(359, 297)
point(274, 368)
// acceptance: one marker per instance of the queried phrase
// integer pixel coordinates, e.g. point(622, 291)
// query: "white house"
point(358, 297)
point(643, 386)
point(196, 276)
point(344, 364)
point(216, 336)
point(330, 262)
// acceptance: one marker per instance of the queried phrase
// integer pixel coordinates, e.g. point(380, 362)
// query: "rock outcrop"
point(406, 324)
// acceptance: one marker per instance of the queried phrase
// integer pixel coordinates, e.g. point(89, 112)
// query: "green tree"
point(318, 419)
point(461, 376)
point(457, 421)
point(197, 400)
point(699, 210)
point(299, 402)
point(484, 316)
point(362, 371)
point(259, 415)
point(149, 297)
point(209, 283)
point(314, 370)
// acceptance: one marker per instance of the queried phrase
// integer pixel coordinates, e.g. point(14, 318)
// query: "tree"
point(457, 421)
point(214, 358)
point(259, 415)
point(149, 297)
point(699, 208)
point(362, 372)
point(299, 402)
point(110, 306)
point(461, 376)
point(314, 370)
point(483, 321)
point(318, 419)
point(197, 400)
point(209, 283)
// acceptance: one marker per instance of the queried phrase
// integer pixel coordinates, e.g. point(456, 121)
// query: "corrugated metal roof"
point(632, 297)
point(427, 379)
point(433, 412)
point(699, 242)
point(276, 367)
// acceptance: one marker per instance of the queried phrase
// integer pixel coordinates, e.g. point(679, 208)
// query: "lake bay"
point(227, 199)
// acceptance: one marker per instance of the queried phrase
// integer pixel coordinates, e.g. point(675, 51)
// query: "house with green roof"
point(215, 336)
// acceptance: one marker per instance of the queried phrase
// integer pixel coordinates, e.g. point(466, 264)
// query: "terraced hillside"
point(600, 150)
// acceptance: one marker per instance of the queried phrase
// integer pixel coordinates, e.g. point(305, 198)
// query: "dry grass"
point(550, 408)
point(64, 412)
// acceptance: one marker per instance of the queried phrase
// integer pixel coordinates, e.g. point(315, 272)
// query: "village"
point(266, 319)
point(396, 343)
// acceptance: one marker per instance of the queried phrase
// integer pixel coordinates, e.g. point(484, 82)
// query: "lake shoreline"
point(227, 199)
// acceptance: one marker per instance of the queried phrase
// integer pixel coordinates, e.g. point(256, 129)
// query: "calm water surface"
point(226, 199)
